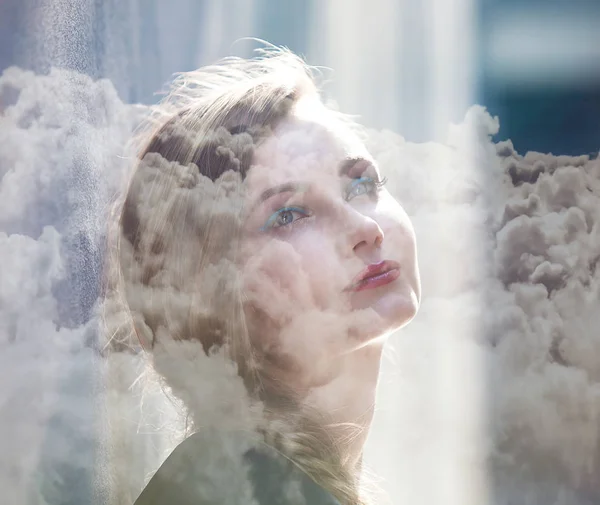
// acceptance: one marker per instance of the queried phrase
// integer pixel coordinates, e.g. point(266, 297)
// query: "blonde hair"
point(178, 230)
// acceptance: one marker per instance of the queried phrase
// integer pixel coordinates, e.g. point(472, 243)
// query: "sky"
point(493, 390)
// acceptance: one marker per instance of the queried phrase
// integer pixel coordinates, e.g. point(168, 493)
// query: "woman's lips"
point(375, 275)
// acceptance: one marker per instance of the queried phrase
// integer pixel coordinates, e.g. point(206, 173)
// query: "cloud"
point(509, 247)
point(60, 139)
point(496, 381)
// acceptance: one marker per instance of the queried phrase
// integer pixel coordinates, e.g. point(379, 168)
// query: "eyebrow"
point(282, 188)
point(347, 164)
point(295, 187)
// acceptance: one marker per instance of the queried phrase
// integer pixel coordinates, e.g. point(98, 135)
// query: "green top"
point(213, 468)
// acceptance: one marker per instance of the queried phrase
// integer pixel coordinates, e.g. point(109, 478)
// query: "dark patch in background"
point(558, 117)
point(562, 120)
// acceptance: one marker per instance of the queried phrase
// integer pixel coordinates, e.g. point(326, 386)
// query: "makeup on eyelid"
point(375, 183)
point(272, 221)
point(372, 185)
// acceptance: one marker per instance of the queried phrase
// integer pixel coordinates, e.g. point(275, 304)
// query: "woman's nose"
point(364, 231)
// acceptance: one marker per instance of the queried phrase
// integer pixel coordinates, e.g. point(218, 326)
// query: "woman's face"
point(315, 219)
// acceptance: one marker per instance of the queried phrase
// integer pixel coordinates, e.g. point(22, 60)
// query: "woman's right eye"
point(284, 217)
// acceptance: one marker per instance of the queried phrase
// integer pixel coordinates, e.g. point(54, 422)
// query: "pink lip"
point(375, 275)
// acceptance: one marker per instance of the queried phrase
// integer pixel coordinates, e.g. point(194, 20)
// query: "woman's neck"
point(349, 400)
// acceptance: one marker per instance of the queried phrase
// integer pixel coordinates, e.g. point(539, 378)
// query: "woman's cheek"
point(392, 214)
point(275, 281)
point(312, 343)
point(322, 268)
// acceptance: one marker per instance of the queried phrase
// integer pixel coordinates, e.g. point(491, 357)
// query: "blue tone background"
point(537, 62)
point(534, 63)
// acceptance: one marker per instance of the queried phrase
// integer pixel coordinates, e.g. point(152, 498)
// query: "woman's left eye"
point(284, 217)
point(363, 185)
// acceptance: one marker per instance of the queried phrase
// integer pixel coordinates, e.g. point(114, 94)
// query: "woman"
point(257, 223)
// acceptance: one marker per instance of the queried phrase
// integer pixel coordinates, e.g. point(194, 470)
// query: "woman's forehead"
point(302, 148)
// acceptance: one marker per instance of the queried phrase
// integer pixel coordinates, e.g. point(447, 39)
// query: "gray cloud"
point(59, 163)
point(508, 246)
point(510, 278)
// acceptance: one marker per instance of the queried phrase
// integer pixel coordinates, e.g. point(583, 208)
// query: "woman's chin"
point(394, 308)
point(375, 322)
point(397, 310)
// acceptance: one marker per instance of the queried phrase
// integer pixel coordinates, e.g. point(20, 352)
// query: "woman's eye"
point(284, 217)
point(363, 185)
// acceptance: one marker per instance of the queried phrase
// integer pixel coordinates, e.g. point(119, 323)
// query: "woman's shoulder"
point(234, 467)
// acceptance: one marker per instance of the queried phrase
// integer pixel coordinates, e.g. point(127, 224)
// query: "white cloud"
point(497, 376)
point(59, 139)
point(511, 290)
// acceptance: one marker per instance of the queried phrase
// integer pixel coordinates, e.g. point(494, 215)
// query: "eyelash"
point(376, 185)
point(271, 222)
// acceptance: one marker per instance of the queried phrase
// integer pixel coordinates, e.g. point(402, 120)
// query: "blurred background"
point(405, 65)
point(407, 68)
